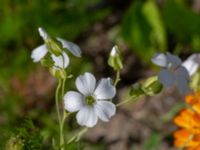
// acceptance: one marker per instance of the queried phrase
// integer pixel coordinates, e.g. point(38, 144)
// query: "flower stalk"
point(58, 113)
point(134, 97)
point(117, 78)
point(61, 118)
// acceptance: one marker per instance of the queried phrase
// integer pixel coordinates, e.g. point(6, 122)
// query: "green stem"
point(58, 110)
point(80, 134)
point(77, 137)
point(64, 116)
point(117, 78)
point(127, 100)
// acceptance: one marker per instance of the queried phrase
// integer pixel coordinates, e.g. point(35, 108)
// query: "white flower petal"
point(182, 84)
point(182, 72)
point(166, 77)
point(105, 110)
point(39, 52)
point(86, 84)
point(73, 101)
point(87, 116)
point(174, 61)
point(61, 61)
point(43, 33)
point(73, 48)
point(105, 90)
point(160, 59)
point(113, 51)
point(192, 64)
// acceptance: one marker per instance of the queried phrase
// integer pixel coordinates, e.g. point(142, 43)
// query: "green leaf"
point(181, 21)
point(136, 30)
point(143, 29)
point(152, 142)
point(153, 16)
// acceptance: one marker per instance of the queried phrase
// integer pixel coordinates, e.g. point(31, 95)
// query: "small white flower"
point(43, 33)
point(39, 53)
point(192, 63)
point(93, 100)
point(113, 51)
point(61, 61)
point(172, 72)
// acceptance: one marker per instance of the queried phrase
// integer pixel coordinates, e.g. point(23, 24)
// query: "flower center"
point(90, 100)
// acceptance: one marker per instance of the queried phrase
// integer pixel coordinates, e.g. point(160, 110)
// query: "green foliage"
point(20, 20)
point(172, 112)
point(143, 29)
point(181, 21)
point(153, 142)
point(158, 33)
point(26, 137)
point(148, 28)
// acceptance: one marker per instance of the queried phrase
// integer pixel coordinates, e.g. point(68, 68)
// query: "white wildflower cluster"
point(93, 100)
point(56, 50)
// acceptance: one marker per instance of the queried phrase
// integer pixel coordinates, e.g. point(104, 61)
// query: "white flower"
point(172, 72)
point(113, 51)
point(61, 61)
point(192, 63)
point(92, 100)
point(43, 33)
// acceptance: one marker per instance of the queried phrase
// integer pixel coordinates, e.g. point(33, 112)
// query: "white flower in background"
point(192, 63)
point(113, 51)
point(172, 72)
point(92, 101)
point(61, 61)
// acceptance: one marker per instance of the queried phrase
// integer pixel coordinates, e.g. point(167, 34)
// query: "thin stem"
point(117, 78)
point(64, 115)
point(77, 137)
point(63, 86)
point(57, 100)
point(127, 100)
point(58, 110)
point(82, 132)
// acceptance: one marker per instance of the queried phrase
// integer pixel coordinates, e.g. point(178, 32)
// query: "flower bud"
point(58, 73)
point(152, 86)
point(54, 46)
point(195, 81)
point(47, 61)
point(43, 34)
point(115, 59)
point(136, 90)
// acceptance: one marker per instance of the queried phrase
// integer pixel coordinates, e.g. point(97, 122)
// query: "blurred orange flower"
point(188, 136)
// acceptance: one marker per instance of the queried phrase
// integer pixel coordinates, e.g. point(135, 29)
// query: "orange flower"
point(188, 136)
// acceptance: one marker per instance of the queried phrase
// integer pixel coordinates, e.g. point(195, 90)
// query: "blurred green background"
point(139, 27)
